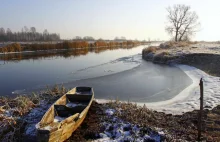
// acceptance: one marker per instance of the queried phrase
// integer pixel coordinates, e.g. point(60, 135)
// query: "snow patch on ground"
point(102, 101)
point(110, 111)
point(201, 47)
point(34, 117)
point(117, 130)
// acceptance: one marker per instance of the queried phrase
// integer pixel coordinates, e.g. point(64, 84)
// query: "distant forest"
point(27, 34)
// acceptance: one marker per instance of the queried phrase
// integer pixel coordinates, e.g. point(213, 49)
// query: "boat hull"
point(66, 127)
point(60, 135)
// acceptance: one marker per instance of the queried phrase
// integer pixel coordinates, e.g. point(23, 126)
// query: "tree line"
point(27, 34)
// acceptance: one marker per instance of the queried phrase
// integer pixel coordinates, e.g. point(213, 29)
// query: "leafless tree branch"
point(182, 22)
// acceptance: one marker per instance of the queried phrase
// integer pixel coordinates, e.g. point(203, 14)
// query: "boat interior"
point(74, 104)
point(83, 90)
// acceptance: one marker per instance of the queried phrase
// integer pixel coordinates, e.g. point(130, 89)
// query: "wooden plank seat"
point(64, 111)
point(74, 104)
point(83, 90)
point(78, 98)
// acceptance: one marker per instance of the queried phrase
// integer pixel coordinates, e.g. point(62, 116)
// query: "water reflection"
point(16, 57)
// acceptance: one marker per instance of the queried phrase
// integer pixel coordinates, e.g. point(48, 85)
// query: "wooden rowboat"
point(65, 115)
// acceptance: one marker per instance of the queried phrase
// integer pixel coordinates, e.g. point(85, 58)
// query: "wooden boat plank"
point(70, 119)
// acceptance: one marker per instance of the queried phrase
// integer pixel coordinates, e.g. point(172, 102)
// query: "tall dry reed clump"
point(50, 46)
point(14, 47)
point(35, 47)
point(101, 44)
point(75, 44)
point(124, 44)
point(112, 44)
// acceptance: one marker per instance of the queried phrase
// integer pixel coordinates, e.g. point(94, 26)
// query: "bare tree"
point(88, 38)
point(2, 31)
point(123, 38)
point(183, 22)
point(33, 29)
point(78, 37)
point(33, 32)
point(2, 34)
point(26, 30)
point(45, 34)
point(9, 31)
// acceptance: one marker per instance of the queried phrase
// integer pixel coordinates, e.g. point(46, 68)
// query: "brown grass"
point(178, 126)
point(14, 47)
point(151, 49)
point(171, 44)
point(101, 44)
point(163, 57)
point(50, 46)
point(13, 109)
point(161, 54)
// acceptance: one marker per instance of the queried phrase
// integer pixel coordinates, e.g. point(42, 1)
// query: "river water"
point(114, 73)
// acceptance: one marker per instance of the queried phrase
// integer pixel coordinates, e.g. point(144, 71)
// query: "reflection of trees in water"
point(16, 57)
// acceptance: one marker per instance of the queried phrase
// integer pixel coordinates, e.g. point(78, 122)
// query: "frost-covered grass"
point(167, 127)
point(118, 130)
point(151, 49)
point(16, 112)
point(118, 122)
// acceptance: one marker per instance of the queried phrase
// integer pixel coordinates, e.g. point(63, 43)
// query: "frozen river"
point(118, 73)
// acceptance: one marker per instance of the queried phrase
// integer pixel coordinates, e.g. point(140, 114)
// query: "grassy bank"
point(206, 59)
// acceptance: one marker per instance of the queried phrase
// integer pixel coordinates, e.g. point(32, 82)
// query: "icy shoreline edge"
point(188, 99)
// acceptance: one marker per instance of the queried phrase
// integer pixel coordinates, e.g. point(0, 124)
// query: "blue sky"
point(134, 19)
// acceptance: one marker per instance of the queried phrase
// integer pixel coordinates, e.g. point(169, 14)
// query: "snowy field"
point(201, 47)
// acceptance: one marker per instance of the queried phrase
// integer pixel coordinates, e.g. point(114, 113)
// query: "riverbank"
point(204, 56)
point(118, 121)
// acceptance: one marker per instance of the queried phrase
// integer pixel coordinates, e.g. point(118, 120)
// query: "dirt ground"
point(177, 127)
